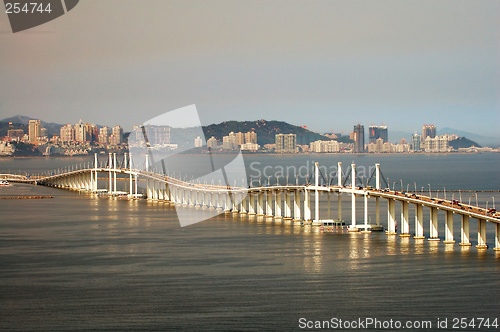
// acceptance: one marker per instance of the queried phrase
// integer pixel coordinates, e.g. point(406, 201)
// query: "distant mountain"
point(266, 131)
point(483, 140)
point(53, 128)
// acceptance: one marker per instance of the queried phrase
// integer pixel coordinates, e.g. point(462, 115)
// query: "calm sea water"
point(79, 263)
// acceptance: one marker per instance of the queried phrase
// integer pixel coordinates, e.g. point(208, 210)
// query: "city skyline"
point(302, 62)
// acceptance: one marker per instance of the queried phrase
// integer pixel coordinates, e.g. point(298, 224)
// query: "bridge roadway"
point(260, 200)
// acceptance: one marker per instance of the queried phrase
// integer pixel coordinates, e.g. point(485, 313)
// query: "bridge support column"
point(251, 203)
point(465, 239)
point(419, 221)
point(449, 227)
point(110, 166)
point(307, 206)
point(244, 199)
point(339, 206)
point(227, 202)
point(433, 229)
point(481, 234)
point(268, 200)
point(161, 192)
point(328, 207)
point(497, 237)
point(288, 205)
point(114, 173)
point(367, 228)
point(260, 203)
point(353, 199)
point(277, 205)
point(405, 224)
point(316, 194)
point(135, 184)
point(297, 215)
point(391, 217)
point(148, 189)
point(377, 210)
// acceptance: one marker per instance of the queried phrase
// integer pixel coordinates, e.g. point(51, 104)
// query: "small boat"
point(4, 183)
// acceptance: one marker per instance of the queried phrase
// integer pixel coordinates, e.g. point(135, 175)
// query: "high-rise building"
point(229, 142)
point(428, 131)
point(80, 132)
point(416, 140)
point(15, 134)
point(104, 135)
point(251, 137)
point(212, 143)
point(116, 137)
point(240, 139)
point(67, 133)
point(375, 132)
point(198, 142)
point(286, 143)
point(34, 130)
point(359, 138)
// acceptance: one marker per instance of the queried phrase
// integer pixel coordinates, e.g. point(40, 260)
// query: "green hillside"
point(266, 131)
point(463, 142)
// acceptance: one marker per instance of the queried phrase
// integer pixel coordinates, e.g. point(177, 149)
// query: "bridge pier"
point(367, 228)
point(449, 228)
point(243, 202)
point(296, 206)
point(307, 206)
point(405, 222)
point(353, 227)
point(481, 234)
point(277, 205)
point(268, 201)
point(497, 237)
point(288, 205)
point(260, 203)
point(464, 232)
point(251, 204)
point(419, 221)
point(433, 225)
point(391, 217)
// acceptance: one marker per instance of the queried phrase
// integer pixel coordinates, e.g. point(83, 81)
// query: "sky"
point(325, 64)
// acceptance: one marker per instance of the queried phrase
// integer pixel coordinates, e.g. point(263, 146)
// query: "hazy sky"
point(325, 64)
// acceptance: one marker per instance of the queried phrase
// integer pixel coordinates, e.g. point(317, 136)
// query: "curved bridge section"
point(292, 202)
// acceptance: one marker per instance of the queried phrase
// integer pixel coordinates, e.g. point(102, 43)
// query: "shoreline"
point(282, 154)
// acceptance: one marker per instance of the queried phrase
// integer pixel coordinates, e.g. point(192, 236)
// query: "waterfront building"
point(359, 138)
point(286, 143)
point(34, 130)
point(324, 146)
point(375, 132)
point(416, 140)
point(250, 147)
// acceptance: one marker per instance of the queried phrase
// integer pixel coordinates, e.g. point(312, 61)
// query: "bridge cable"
point(383, 178)
point(321, 173)
point(371, 176)
point(346, 177)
